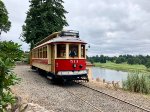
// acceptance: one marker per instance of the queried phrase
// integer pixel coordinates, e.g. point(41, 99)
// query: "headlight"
point(70, 73)
point(64, 73)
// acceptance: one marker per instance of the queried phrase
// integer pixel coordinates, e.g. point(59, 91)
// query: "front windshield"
point(73, 50)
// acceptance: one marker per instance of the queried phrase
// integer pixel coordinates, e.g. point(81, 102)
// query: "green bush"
point(137, 82)
point(9, 51)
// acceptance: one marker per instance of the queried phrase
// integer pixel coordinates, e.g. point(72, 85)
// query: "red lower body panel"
point(70, 64)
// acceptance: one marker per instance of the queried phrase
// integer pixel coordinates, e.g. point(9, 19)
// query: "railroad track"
point(126, 102)
point(96, 108)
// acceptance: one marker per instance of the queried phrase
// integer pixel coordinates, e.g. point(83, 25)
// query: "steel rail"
point(84, 101)
point(134, 105)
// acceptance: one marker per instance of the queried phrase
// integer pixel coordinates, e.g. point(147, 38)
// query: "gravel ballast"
point(135, 98)
point(106, 103)
point(39, 90)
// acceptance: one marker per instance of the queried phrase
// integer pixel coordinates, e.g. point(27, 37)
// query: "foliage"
point(43, 18)
point(8, 53)
point(11, 49)
point(120, 60)
point(101, 59)
point(147, 64)
point(26, 57)
point(137, 82)
point(4, 22)
point(130, 59)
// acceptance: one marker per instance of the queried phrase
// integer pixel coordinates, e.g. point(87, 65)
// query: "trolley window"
point(61, 50)
point(83, 51)
point(35, 53)
point(36, 56)
point(40, 53)
point(45, 52)
point(73, 50)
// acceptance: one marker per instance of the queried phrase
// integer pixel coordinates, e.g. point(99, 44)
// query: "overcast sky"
point(111, 27)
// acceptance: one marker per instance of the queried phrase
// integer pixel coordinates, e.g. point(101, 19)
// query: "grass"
point(122, 67)
point(137, 82)
point(138, 79)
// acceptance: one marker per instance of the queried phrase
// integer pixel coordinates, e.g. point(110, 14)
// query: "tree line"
point(129, 59)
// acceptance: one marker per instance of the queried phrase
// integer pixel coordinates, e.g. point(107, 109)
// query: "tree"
point(130, 61)
point(5, 24)
point(137, 60)
point(120, 60)
point(43, 18)
point(147, 64)
point(102, 59)
point(9, 51)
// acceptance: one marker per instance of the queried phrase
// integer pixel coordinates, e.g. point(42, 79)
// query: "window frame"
point(44, 52)
point(65, 53)
point(84, 50)
point(78, 55)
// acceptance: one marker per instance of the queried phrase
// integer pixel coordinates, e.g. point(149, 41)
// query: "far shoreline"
point(122, 67)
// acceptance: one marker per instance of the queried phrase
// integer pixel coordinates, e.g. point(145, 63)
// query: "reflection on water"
point(108, 75)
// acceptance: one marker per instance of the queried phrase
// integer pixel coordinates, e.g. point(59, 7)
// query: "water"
point(108, 75)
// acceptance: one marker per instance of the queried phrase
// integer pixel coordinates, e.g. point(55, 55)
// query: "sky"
point(110, 27)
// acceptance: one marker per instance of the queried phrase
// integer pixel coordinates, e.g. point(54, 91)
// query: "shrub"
point(137, 82)
point(9, 51)
point(7, 79)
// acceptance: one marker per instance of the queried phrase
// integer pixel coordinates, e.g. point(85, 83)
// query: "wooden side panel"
point(67, 51)
point(49, 54)
point(79, 49)
point(42, 66)
point(53, 58)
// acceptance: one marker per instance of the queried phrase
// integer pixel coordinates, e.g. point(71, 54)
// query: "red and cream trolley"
point(61, 55)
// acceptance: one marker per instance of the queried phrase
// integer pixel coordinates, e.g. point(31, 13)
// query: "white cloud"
point(111, 27)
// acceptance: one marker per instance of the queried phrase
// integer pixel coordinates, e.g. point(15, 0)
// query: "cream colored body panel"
point(49, 54)
point(42, 66)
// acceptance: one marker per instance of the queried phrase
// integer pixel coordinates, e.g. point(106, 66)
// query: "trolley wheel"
point(33, 67)
point(87, 79)
point(64, 81)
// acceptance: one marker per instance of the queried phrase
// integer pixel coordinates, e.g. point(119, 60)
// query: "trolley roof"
point(69, 36)
point(64, 39)
point(54, 35)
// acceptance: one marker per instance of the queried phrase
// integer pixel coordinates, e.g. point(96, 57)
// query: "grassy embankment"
point(122, 67)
